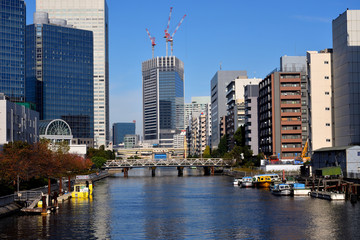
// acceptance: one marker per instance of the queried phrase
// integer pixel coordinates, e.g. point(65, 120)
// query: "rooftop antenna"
point(152, 39)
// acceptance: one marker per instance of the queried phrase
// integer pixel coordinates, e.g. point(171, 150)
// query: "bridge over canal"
point(207, 163)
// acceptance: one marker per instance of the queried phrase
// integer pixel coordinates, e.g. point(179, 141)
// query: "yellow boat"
point(83, 187)
point(262, 181)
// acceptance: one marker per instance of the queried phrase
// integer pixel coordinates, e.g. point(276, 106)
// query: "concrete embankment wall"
point(9, 209)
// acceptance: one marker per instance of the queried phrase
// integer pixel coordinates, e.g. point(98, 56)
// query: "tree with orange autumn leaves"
point(24, 161)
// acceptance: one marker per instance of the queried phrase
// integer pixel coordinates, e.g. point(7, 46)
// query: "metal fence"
point(25, 196)
point(6, 200)
point(54, 187)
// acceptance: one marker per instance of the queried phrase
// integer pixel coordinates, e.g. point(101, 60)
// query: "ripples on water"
point(189, 207)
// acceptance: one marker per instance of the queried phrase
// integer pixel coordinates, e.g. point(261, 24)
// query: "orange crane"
point(304, 152)
point(152, 39)
point(171, 39)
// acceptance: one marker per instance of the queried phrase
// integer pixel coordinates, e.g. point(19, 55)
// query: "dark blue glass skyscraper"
point(59, 77)
point(120, 130)
point(12, 49)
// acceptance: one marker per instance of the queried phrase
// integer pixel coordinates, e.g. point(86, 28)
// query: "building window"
point(327, 124)
point(328, 140)
point(326, 62)
point(326, 77)
point(327, 93)
point(327, 109)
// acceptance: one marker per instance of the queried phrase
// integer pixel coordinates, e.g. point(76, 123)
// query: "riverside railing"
point(6, 200)
point(25, 196)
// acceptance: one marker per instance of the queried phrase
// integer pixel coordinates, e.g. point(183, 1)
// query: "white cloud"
point(312, 19)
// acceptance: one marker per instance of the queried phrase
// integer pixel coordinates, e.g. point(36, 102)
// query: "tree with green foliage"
point(101, 152)
point(239, 136)
point(240, 152)
point(98, 161)
point(207, 153)
point(222, 147)
point(236, 153)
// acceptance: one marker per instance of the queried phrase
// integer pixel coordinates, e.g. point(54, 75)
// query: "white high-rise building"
point(89, 15)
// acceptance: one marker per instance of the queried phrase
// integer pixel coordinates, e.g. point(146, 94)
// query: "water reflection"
point(189, 207)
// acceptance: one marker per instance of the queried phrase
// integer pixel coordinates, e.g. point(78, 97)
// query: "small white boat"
point(247, 182)
point(237, 181)
point(281, 189)
point(328, 195)
point(298, 189)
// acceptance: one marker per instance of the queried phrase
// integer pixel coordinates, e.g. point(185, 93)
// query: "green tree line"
point(240, 152)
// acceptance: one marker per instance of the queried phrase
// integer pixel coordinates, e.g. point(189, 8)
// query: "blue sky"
point(242, 35)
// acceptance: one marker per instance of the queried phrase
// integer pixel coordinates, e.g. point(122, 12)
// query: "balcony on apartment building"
point(293, 120)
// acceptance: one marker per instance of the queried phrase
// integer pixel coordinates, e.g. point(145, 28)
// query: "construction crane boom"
point(168, 25)
point(177, 27)
point(171, 39)
point(167, 34)
point(152, 39)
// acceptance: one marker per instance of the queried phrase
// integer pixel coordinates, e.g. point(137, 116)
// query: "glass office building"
point(171, 100)
point(122, 129)
point(59, 76)
point(163, 98)
point(90, 15)
point(12, 49)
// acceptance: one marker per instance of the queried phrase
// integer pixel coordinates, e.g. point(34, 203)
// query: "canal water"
point(188, 207)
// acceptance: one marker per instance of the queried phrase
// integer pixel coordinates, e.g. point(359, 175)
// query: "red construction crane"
point(171, 39)
point(167, 34)
point(152, 39)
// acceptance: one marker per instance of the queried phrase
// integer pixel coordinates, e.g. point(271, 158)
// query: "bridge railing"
point(175, 162)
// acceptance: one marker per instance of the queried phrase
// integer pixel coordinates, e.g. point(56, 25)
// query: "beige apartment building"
point(198, 140)
point(320, 98)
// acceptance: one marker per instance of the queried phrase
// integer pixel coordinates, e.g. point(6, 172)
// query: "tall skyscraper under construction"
point(163, 99)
